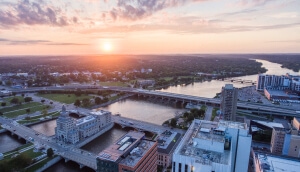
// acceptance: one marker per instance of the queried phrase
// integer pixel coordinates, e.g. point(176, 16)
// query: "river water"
point(144, 110)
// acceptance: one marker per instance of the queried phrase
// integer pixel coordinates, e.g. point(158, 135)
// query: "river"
point(144, 110)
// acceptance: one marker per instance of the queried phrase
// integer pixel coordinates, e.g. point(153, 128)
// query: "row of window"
point(186, 167)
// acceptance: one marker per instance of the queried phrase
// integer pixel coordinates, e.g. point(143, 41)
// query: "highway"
point(179, 97)
point(144, 126)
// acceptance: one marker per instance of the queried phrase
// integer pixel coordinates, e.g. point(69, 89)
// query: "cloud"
point(34, 42)
point(253, 2)
point(137, 9)
point(285, 41)
point(33, 13)
point(187, 25)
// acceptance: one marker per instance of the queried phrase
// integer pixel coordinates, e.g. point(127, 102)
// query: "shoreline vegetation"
point(122, 70)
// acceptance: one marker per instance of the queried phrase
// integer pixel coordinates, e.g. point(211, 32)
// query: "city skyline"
point(35, 27)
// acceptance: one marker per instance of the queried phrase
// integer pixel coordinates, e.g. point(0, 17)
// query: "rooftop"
point(100, 112)
point(122, 147)
point(137, 153)
point(166, 141)
point(272, 163)
point(269, 124)
point(280, 93)
point(228, 86)
point(205, 141)
point(84, 120)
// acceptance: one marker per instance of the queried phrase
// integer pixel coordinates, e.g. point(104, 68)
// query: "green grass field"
point(119, 84)
point(7, 100)
point(37, 118)
point(35, 167)
point(17, 110)
point(64, 98)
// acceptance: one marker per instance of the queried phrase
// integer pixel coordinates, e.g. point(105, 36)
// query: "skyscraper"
point(228, 102)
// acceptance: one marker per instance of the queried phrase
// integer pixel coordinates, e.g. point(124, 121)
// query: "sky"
point(75, 27)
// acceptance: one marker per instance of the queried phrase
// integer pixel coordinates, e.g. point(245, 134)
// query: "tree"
point(77, 103)
point(3, 103)
point(98, 100)
point(50, 152)
point(86, 102)
point(14, 100)
point(8, 83)
point(27, 99)
point(173, 122)
point(28, 110)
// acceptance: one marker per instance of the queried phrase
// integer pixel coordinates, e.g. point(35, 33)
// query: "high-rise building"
point(213, 146)
point(228, 102)
point(279, 82)
point(131, 153)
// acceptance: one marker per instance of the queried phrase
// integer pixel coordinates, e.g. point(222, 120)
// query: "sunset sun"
point(107, 47)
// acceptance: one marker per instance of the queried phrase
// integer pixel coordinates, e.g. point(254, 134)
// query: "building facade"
point(213, 146)
point(71, 130)
point(228, 102)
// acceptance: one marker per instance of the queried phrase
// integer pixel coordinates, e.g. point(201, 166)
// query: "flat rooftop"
point(269, 124)
point(84, 120)
point(167, 141)
point(137, 153)
point(272, 163)
point(205, 141)
point(100, 112)
point(121, 147)
point(228, 86)
point(280, 93)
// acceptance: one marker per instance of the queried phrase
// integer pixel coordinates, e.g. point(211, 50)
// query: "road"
point(208, 113)
point(66, 151)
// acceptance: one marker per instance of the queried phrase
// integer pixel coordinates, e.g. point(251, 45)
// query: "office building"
point(167, 142)
point(228, 102)
point(213, 146)
point(131, 153)
point(72, 130)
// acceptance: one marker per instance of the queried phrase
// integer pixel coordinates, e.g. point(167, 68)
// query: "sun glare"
point(107, 47)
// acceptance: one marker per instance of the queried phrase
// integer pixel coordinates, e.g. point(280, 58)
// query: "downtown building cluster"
point(279, 87)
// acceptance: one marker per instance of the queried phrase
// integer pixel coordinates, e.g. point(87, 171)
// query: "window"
point(174, 165)
point(185, 168)
point(179, 169)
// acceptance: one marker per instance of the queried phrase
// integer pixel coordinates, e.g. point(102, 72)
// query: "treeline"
point(290, 61)
point(161, 65)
